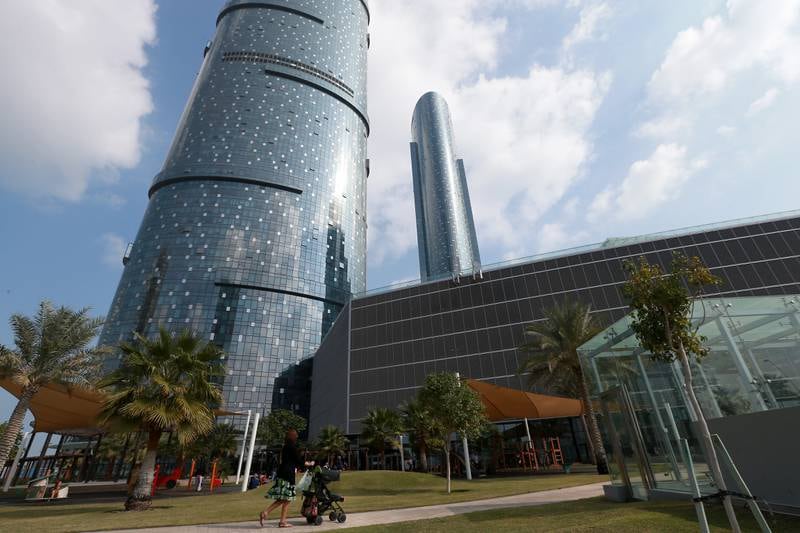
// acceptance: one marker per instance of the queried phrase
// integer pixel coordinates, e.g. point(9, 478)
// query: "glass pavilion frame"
point(753, 366)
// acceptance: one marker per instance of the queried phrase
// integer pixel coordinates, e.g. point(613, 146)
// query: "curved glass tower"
point(255, 233)
point(446, 236)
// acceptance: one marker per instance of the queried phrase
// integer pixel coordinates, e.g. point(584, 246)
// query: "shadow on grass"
point(716, 516)
point(56, 512)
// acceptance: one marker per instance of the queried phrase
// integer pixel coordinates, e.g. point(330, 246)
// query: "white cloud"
point(527, 141)
point(591, 16)
point(649, 183)
point(765, 101)
point(663, 127)
point(555, 236)
point(748, 35)
point(113, 249)
point(74, 93)
point(524, 139)
point(726, 131)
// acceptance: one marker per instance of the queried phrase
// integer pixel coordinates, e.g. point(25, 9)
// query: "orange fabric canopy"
point(69, 410)
point(503, 403)
point(60, 409)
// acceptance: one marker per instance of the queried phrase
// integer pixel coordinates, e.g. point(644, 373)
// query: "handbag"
point(304, 482)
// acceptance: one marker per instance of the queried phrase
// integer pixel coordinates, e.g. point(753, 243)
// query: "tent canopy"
point(69, 410)
point(57, 408)
point(503, 403)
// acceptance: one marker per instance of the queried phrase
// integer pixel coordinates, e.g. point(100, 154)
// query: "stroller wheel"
point(341, 518)
point(310, 520)
point(333, 516)
point(318, 521)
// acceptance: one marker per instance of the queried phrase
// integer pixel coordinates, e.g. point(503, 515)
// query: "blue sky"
point(577, 120)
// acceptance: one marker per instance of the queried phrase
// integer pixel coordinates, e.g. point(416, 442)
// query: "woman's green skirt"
point(282, 491)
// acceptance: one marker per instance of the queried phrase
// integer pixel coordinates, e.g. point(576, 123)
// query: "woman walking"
point(283, 490)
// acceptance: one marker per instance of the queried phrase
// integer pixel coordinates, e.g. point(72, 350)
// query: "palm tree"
point(554, 362)
point(222, 442)
point(421, 428)
point(332, 442)
point(380, 428)
point(50, 347)
point(164, 384)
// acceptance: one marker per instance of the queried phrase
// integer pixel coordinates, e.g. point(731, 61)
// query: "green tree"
point(661, 304)
point(454, 407)
point(380, 429)
point(554, 364)
point(221, 442)
point(50, 347)
point(421, 428)
point(331, 441)
point(272, 432)
point(163, 384)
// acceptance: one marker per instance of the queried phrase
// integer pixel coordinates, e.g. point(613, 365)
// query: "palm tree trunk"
point(141, 498)
point(423, 456)
point(597, 440)
point(447, 460)
point(705, 435)
point(14, 426)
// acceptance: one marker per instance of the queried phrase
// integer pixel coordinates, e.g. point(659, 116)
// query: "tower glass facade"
point(446, 236)
point(255, 233)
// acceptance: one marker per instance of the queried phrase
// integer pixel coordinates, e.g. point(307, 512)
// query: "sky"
point(577, 120)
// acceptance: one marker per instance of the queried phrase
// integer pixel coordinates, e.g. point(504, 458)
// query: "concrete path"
point(397, 515)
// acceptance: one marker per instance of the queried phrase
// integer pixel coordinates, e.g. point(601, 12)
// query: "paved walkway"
point(398, 515)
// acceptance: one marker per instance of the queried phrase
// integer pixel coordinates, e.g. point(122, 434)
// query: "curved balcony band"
point(288, 6)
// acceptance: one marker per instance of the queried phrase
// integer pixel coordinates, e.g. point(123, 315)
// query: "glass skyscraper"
point(446, 236)
point(255, 233)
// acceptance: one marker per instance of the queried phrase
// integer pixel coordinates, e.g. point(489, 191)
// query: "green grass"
point(364, 491)
point(593, 515)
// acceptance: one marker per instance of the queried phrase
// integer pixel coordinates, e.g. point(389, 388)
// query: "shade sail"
point(60, 409)
point(503, 403)
point(70, 410)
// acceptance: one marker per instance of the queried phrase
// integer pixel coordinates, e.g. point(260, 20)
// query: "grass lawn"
point(595, 515)
point(364, 491)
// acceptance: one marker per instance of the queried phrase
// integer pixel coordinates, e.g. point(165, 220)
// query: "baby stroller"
point(318, 499)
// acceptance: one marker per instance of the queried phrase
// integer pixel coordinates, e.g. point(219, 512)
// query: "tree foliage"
point(52, 346)
point(332, 442)
point(661, 304)
point(454, 408)
point(163, 385)
point(272, 431)
point(553, 363)
point(380, 430)
point(662, 308)
point(422, 430)
point(552, 346)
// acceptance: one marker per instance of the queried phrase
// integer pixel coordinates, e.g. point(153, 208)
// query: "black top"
point(291, 459)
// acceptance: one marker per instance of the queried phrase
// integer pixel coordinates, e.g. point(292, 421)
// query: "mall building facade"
point(385, 342)
point(255, 233)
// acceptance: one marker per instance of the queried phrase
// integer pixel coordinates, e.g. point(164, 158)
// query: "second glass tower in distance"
point(446, 236)
point(255, 233)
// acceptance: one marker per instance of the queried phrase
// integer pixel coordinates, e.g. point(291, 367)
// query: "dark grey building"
point(385, 343)
point(446, 236)
point(255, 233)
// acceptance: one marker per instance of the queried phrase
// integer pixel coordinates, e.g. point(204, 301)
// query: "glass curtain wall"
point(753, 366)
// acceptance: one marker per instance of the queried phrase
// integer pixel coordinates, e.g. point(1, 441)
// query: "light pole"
point(402, 458)
point(250, 452)
point(464, 443)
point(244, 442)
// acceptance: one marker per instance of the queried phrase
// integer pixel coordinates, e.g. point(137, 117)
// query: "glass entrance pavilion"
point(748, 387)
